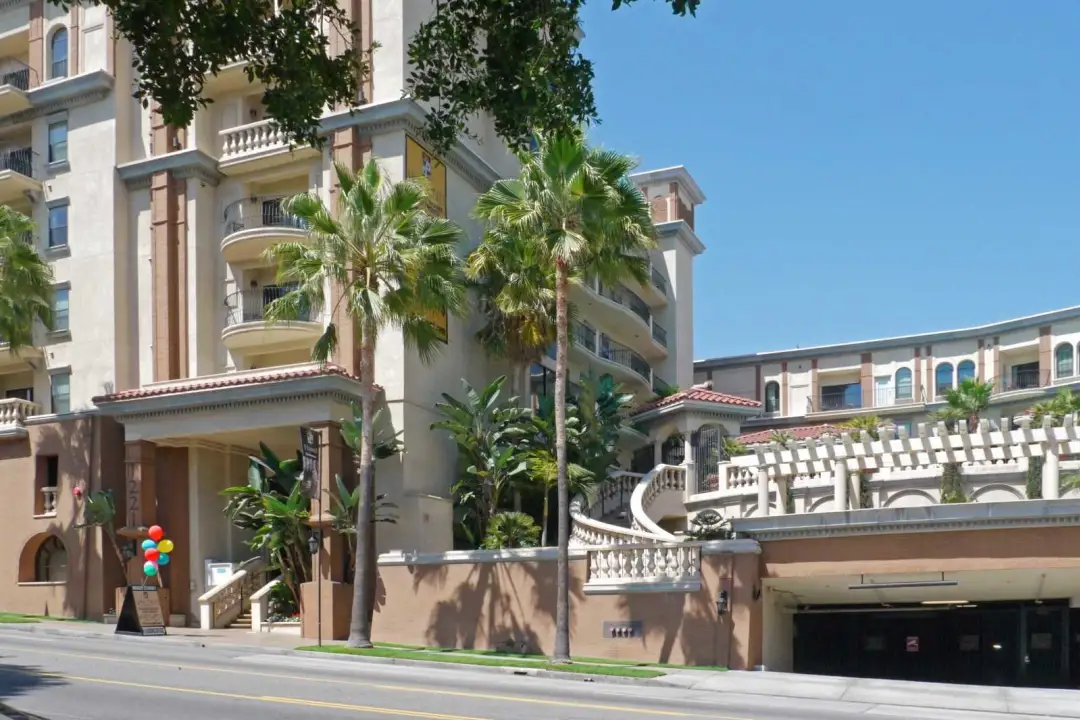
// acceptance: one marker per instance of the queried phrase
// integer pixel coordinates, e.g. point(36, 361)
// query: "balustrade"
point(49, 496)
point(15, 411)
point(611, 569)
point(252, 138)
point(222, 604)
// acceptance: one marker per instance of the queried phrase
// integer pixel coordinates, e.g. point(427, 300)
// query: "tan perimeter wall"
point(489, 605)
point(89, 452)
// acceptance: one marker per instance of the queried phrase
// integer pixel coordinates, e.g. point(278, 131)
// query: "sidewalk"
point(892, 693)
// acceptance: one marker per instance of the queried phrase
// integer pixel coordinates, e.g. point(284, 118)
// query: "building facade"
point(162, 353)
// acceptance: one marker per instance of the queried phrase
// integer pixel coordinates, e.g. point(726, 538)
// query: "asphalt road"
point(63, 678)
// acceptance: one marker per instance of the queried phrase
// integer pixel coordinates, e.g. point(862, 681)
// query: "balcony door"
point(20, 394)
point(883, 392)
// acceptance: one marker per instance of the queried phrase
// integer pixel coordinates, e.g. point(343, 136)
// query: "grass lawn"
point(13, 618)
point(384, 651)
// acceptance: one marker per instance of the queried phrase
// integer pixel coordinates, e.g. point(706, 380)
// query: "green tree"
point(583, 214)
point(965, 403)
point(26, 282)
point(604, 411)
point(99, 510)
point(1066, 402)
point(869, 423)
point(517, 62)
point(732, 448)
point(511, 530)
point(395, 266)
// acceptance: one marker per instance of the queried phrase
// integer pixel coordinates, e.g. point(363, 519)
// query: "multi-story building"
point(162, 375)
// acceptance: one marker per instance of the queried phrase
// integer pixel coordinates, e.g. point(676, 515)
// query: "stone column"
point(783, 487)
point(1051, 487)
point(689, 464)
point(854, 482)
point(763, 492)
point(140, 497)
point(840, 486)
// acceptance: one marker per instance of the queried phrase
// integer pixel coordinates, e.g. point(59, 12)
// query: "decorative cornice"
point(191, 163)
point(713, 410)
point(405, 114)
point(678, 174)
point(59, 95)
point(685, 234)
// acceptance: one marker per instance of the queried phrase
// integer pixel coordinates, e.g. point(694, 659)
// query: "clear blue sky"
point(871, 168)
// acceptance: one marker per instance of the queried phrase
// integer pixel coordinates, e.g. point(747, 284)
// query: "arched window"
point(965, 370)
point(772, 396)
point(943, 379)
point(1064, 357)
point(903, 384)
point(50, 562)
point(58, 54)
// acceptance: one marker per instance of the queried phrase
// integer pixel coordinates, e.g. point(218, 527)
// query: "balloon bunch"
point(156, 550)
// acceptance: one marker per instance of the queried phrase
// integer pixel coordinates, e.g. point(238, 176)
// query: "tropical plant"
point(26, 282)
point(604, 411)
point(487, 431)
point(781, 437)
point(511, 530)
point(1033, 486)
point(710, 525)
point(667, 391)
point(583, 215)
point(1066, 402)
point(861, 423)
point(273, 506)
point(733, 448)
point(952, 485)
point(99, 510)
point(544, 471)
point(966, 402)
point(392, 265)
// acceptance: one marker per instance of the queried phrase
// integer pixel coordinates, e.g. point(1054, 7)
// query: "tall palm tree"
point(966, 402)
point(583, 216)
point(396, 265)
point(1066, 402)
point(869, 423)
point(26, 282)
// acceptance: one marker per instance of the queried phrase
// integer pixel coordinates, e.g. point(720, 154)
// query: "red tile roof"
point(798, 433)
point(698, 394)
point(224, 381)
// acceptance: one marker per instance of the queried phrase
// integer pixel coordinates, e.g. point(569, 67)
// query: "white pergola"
point(897, 450)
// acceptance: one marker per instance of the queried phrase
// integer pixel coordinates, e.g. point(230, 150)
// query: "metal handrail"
point(246, 306)
point(618, 353)
point(260, 211)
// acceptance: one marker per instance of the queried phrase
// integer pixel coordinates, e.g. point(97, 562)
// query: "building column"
point(854, 483)
point(36, 55)
point(1051, 486)
point(762, 492)
point(689, 464)
point(840, 486)
point(140, 461)
point(783, 487)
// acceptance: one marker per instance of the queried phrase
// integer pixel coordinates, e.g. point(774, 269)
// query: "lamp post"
point(314, 541)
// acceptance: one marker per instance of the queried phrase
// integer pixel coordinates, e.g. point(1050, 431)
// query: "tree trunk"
point(544, 517)
point(562, 598)
point(364, 577)
point(516, 373)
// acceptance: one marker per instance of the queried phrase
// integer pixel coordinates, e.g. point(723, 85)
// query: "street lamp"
point(721, 603)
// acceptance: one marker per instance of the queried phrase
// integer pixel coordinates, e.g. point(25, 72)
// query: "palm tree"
point(966, 402)
point(583, 215)
point(781, 437)
point(511, 530)
point(396, 266)
point(1066, 402)
point(26, 282)
point(869, 423)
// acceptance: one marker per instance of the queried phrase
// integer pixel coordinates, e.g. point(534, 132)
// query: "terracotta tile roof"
point(798, 433)
point(224, 381)
point(698, 394)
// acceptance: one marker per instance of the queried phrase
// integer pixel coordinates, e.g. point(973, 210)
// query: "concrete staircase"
point(242, 622)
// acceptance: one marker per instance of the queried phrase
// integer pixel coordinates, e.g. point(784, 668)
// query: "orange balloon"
point(156, 533)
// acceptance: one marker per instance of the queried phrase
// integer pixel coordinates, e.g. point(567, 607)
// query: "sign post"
point(141, 612)
point(312, 488)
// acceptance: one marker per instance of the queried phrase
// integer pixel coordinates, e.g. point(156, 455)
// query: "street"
point(63, 678)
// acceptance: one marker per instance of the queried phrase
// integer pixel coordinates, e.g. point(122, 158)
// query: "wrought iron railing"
point(18, 79)
point(1022, 380)
point(659, 282)
point(259, 211)
point(838, 401)
point(620, 354)
point(627, 299)
point(20, 160)
point(659, 334)
point(584, 335)
point(250, 305)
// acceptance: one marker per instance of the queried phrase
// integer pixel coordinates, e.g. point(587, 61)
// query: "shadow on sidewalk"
point(17, 680)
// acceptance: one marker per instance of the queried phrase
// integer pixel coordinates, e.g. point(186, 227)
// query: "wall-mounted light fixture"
point(722, 603)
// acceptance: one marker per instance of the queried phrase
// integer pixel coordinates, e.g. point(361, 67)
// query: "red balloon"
point(152, 554)
point(156, 533)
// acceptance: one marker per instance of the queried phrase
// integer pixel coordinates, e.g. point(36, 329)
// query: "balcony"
point(1022, 381)
point(11, 362)
point(17, 174)
point(14, 84)
point(837, 402)
point(13, 415)
point(255, 224)
point(246, 327)
point(608, 356)
point(258, 146)
point(623, 313)
point(659, 334)
point(890, 397)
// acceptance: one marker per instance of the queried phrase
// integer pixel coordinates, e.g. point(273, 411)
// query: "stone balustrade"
point(13, 415)
point(49, 498)
point(645, 566)
point(257, 137)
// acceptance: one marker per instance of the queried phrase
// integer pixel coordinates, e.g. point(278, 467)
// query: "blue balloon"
point(163, 559)
point(149, 544)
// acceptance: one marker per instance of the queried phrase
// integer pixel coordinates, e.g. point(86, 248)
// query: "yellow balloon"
point(166, 546)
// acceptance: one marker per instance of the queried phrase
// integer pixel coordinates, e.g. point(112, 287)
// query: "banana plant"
point(99, 510)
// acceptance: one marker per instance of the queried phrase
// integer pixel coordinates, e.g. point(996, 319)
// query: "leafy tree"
point(26, 282)
point(579, 209)
point(511, 530)
point(869, 423)
point(732, 447)
point(604, 411)
point(272, 505)
point(1066, 402)
point(395, 266)
point(99, 510)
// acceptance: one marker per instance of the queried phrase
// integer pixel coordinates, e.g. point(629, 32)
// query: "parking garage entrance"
point(1033, 644)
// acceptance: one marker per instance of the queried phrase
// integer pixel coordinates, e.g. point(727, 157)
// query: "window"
point(965, 370)
point(772, 396)
point(26, 394)
point(1064, 357)
point(61, 393)
point(50, 562)
point(58, 54)
point(903, 384)
point(58, 132)
point(58, 226)
point(841, 397)
point(61, 321)
point(943, 379)
point(905, 424)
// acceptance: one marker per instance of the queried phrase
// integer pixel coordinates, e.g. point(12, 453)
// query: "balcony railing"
point(831, 402)
point(884, 397)
point(49, 496)
point(659, 282)
point(627, 299)
point(252, 138)
point(17, 78)
point(659, 334)
point(20, 160)
point(620, 354)
point(15, 411)
point(584, 335)
point(259, 211)
point(246, 306)
point(1022, 380)
point(659, 385)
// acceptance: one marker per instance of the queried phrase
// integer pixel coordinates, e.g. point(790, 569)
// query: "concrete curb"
point(35, 629)
point(7, 711)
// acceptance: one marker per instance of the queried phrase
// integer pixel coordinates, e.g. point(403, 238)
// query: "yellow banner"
point(419, 163)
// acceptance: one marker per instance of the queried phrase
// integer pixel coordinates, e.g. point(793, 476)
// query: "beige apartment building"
point(163, 376)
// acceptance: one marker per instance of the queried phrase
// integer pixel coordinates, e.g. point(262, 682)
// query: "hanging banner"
point(419, 163)
point(309, 457)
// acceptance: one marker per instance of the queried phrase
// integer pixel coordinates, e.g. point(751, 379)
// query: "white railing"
point(49, 496)
point(15, 411)
point(661, 479)
point(222, 604)
point(643, 567)
point(255, 137)
point(589, 531)
point(260, 603)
